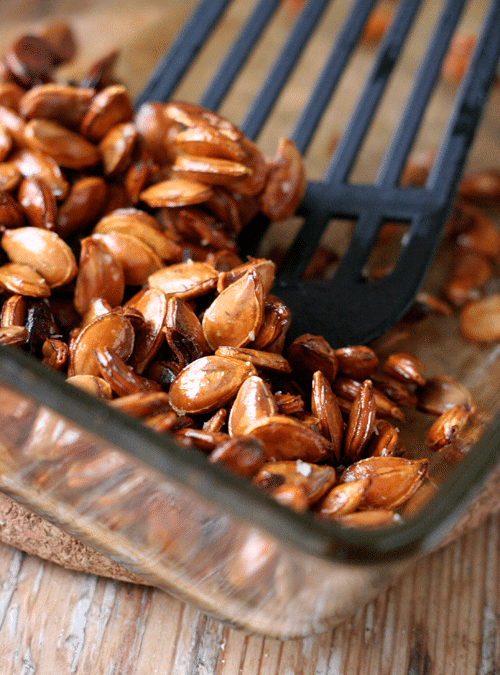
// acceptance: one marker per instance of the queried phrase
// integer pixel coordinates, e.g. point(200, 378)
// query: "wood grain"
point(442, 618)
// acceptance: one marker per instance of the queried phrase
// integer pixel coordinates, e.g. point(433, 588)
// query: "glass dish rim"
point(236, 496)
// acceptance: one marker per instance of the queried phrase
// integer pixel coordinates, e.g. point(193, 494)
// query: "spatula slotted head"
point(350, 309)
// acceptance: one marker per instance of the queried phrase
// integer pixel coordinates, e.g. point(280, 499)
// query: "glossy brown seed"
point(254, 183)
point(292, 496)
point(69, 149)
point(393, 479)
point(302, 442)
point(101, 73)
point(40, 323)
point(176, 192)
point(166, 532)
point(286, 183)
point(92, 385)
point(217, 422)
point(426, 303)
point(469, 273)
point(207, 384)
point(132, 223)
point(185, 280)
point(10, 95)
point(293, 404)
point(401, 393)
point(92, 470)
point(61, 40)
point(343, 499)
point(43, 250)
point(368, 519)
point(208, 142)
point(143, 404)
point(266, 269)
point(137, 259)
point(163, 421)
point(405, 367)
point(468, 436)
point(100, 275)
point(58, 102)
point(320, 263)
point(156, 130)
point(234, 318)
point(15, 125)
point(325, 407)
point(376, 25)
point(5, 142)
point(314, 478)
point(11, 215)
point(24, 280)
point(41, 165)
point(224, 207)
point(109, 107)
point(447, 427)
point(149, 337)
point(480, 319)
point(260, 359)
point(38, 203)
point(209, 170)
point(139, 173)
point(193, 115)
point(30, 59)
point(132, 216)
point(117, 197)
point(181, 316)
point(417, 169)
point(275, 324)
point(356, 361)
point(10, 176)
point(13, 335)
point(112, 330)
point(223, 260)
point(419, 499)
point(309, 353)
point(97, 307)
point(200, 438)
point(252, 561)
point(384, 441)
point(360, 424)
point(240, 455)
point(197, 224)
point(14, 311)
point(117, 147)
point(82, 206)
point(457, 57)
point(55, 353)
point(481, 186)
point(479, 232)
point(254, 401)
point(119, 375)
point(443, 392)
point(346, 388)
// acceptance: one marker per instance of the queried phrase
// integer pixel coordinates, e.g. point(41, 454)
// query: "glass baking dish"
point(200, 532)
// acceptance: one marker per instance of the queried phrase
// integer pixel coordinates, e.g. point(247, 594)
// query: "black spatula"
point(348, 309)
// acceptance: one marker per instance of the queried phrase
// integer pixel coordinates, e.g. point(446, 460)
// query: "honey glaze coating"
point(121, 270)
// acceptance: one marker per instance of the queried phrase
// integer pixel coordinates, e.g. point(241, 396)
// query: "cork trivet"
point(25, 530)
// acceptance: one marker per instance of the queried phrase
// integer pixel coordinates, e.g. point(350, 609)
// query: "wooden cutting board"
point(441, 618)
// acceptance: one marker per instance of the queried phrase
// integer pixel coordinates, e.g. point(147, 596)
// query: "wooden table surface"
point(442, 618)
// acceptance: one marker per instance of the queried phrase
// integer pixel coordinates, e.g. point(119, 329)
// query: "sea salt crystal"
point(303, 468)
